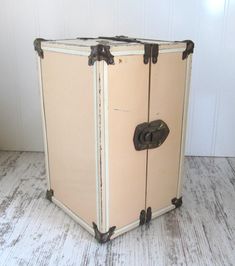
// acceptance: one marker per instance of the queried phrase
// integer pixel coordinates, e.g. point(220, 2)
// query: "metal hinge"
point(38, 48)
point(147, 52)
point(151, 51)
point(49, 194)
point(155, 52)
point(145, 216)
point(177, 202)
point(103, 237)
point(142, 217)
point(148, 215)
point(189, 49)
point(100, 52)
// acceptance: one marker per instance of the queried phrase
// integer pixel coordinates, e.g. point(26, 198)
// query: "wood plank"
point(34, 231)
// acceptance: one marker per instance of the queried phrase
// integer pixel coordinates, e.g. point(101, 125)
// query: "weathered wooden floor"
point(34, 231)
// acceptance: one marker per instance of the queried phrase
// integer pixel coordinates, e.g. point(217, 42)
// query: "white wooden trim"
point(66, 51)
point(106, 140)
point(184, 121)
point(141, 52)
point(43, 123)
point(101, 208)
point(128, 52)
point(114, 53)
point(126, 228)
point(164, 51)
point(101, 147)
point(136, 223)
point(74, 216)
point(95, 89)
point(102, 104)
point(162, 211)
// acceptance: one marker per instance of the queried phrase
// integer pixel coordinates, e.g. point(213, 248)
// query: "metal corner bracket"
point(189, 49)
point(100, 52)
point(103, 237)
point(38, 48)
point(177, 202)
point(49, 194)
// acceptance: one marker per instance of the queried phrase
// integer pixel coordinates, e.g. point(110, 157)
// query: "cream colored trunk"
point(90, 114)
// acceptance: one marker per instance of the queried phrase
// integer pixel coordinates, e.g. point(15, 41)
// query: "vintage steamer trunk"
point(114, 115)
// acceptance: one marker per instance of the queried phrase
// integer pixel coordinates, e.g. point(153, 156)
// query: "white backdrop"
point(210, 23)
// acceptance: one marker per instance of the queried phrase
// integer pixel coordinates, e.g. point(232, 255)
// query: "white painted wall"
point(210, 23)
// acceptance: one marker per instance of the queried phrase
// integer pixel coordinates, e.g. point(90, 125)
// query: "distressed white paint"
point(210, 23)
point(34, 231)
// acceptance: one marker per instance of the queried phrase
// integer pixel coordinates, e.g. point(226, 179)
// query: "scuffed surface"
point(34, 231)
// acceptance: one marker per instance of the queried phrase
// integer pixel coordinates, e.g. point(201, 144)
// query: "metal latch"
point(150, 135)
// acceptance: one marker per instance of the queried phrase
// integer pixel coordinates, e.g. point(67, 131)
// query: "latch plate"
point(150, 135)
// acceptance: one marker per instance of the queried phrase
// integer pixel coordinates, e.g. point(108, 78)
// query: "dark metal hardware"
point(85, 38)
point(177, 202)
point(150, 135)
point(148, 215)
point(155, 52)
point(189, 49)
point(142, 217)
point(103, 237)
point(37, 46)
point(100, 52)
point(120, 38)
point(147, 52)
point(150, 49)
point(49, 194)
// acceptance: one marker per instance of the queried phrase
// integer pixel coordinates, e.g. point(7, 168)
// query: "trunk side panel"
point(70, 125)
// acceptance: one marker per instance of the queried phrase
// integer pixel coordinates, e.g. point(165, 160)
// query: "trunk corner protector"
point(38, 48)
point(100, 52)
point(189, 49)
point(49, 194)
point(177, 202)
point(103, 237)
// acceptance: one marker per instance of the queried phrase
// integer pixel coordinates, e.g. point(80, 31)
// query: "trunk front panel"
point(166, 103)
point(127, 107)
